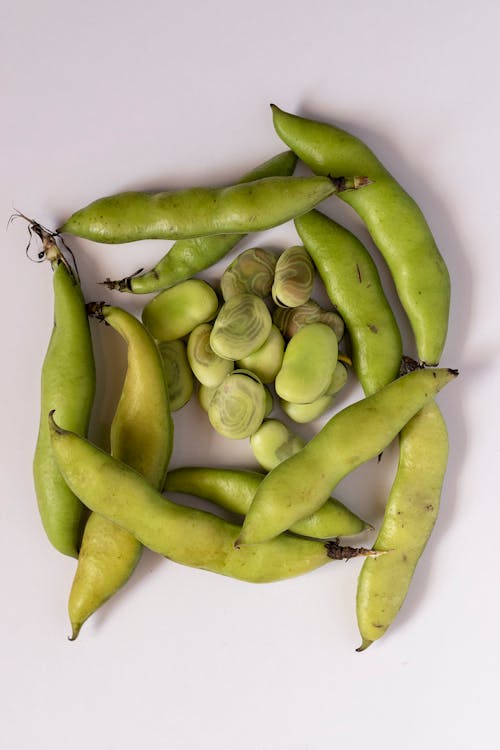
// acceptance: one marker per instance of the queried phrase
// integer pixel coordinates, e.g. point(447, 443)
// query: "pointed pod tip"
point(364, 645)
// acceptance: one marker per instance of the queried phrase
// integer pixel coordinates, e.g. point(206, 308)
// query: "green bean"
point(184, 535)
point(234, 490)
point(205, 395)
point(308, 364)
point(394, 220)
point(290, 319)
point(274, 442)
point(188, 257)
point(201, 212)
point(68, 384)
point(242, 326)
point(238, 405)
point(304, 413)
point(251, 271)
point(208, 368)
point(178, 374)
point(299, 486)
point(293, 277)
point(409, 518)
point(353, 285)
point(266, 361)
point(142, 437)
point(174, 312)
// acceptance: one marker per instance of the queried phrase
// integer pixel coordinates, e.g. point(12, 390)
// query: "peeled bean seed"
point(241, 327)
point(251, 271)
point(304, 413)
point(290, 319)
point(266, 361)
point(274, 442)
point(208, 368)
point(177, 373)
point(308, 364)
point(174, 312)
point(238, 406)
point(205, 395)
point(293, 277)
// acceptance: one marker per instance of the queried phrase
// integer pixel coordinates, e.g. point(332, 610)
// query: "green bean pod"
point(141, 436)
point(234, 490)
point(68, 385)
point(184, 535)
point(201, 212)
point(188, 257)
point(353, 285)
point(300, 485)
point(409, 518)
point(395, 222)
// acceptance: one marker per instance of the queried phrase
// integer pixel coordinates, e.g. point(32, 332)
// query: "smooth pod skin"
point(353, 285)
point(188, 257)
point(185, 535)
point(395, 222)
point(201, 212)
point(141, 436)
point(68, 385)
point(234, 490)
point(299, 486)
point(409, 518)
point(174, 312)
point(308, 364)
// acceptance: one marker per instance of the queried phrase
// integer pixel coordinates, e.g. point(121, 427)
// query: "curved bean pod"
point(353, 285)
point(142, 437)
point(300, 485)
point(234, 490)
point(68, 384)
point(409, 518)
point(393, 219)
point(188, 257)
point(187, 536)
point(200, 212)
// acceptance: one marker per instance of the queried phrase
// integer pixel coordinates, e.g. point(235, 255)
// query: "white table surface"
point(102, 96)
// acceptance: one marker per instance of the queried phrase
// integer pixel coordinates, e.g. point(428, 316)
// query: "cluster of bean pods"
point(102, 508)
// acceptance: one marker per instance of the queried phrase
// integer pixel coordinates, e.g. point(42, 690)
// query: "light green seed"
point(241, 327)
point(266, 361)
point(293, 277)
point(308, 364)
point(177, 372)
point(174, 312)
point(208, 368)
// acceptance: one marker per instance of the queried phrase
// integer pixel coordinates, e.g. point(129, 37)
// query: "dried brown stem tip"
point(336, 551)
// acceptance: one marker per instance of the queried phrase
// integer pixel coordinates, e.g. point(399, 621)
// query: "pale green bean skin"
point(141, 436)
point(234, 490)
point(174, 312)
point(188, 257)
point(409, 518)
point(184, 535)
point(198, 212)
point(68, 385)
point(308, 364)
point(353, 285)
point(300, 485)
point(395, 222)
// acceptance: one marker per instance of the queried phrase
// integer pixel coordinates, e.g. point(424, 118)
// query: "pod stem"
point(50, 249)
point(96, 310)
point(341, 184)
point(336, 551)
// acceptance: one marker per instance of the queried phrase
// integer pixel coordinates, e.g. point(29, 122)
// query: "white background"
point(105, 96)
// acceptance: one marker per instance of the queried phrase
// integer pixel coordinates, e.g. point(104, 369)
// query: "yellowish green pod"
point(293, 277)
point(241, 327)
point(300, 485)
point(208, 368)
point(266, 361)
point(178, 373)
point(238, 406)
point(273, 443)
point(174, 312)
point(308, 364)
point(251, 271)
